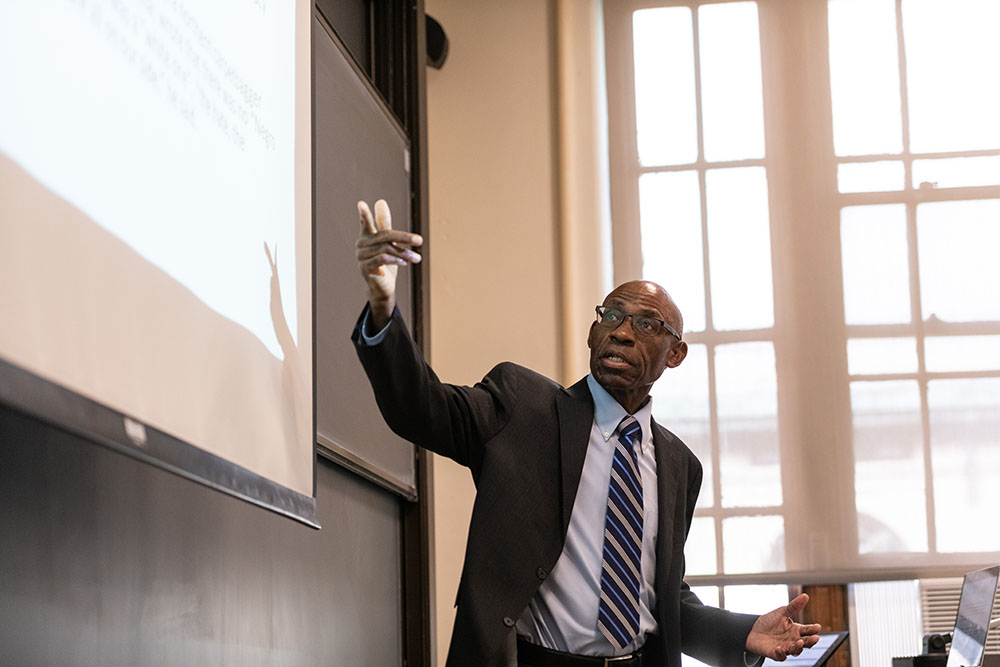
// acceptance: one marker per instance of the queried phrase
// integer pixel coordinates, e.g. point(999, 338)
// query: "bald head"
point(669, 312)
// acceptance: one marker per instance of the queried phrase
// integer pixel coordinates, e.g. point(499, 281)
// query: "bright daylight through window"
point(817, 184)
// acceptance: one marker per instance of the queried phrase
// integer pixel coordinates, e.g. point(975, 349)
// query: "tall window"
point(915, 106)
point(817, 183)
point(703, 214)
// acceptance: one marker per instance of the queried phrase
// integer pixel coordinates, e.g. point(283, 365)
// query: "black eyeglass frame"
point(600, 310)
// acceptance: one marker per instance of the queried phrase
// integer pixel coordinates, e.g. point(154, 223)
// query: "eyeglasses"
point(612, 318)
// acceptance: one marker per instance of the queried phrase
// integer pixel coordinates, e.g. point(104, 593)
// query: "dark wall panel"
point(360, 154)
point(352, 21)
point(105, 560)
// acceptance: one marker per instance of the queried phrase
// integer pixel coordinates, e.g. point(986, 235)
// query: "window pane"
point(864, 77)
point(958, 172)
point(664, 86)
point(753, 544)
point(747, 400)
point(965, 453)
point(876, 267)
point(756, 599)
point(952, 69)
point(881, 176)
point(889, 467)
point(670, 224)
point(680, 404)
point(731, 100)
point(868, 356)
point(739, 241)
point(707, 594)
point(962, 353)
point(959, 271)
point(699, 550)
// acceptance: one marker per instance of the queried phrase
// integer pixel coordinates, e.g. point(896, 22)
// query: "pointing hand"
point(381, 250)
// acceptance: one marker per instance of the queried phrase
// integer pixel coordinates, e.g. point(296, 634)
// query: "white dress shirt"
point(563, 613)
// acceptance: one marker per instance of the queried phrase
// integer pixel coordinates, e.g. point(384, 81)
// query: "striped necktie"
point(618, 614)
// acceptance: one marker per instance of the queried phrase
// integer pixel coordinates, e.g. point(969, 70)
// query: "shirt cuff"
point(751, 659)
point(366, 326)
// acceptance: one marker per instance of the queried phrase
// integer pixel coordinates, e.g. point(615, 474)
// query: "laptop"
point(975, 608)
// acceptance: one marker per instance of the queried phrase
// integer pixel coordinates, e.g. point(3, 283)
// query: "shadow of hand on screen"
point(278, 320)
point(298, 402)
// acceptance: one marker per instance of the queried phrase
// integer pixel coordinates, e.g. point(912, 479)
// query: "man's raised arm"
point(452, 420)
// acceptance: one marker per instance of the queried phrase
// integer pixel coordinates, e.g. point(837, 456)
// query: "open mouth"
point(615, 361)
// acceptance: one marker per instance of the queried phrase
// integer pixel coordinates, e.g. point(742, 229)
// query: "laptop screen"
point(968, 640)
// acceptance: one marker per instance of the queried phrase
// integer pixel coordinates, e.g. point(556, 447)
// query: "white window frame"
point(809, 332)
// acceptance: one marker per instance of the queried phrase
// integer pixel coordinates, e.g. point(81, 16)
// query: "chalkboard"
point(360, 153)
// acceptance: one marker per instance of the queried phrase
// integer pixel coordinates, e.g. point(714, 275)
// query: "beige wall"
point(493, 237)
point(519, 238)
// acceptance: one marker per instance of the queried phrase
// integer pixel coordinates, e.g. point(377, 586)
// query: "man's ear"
point(590, 336)
point(678, 351)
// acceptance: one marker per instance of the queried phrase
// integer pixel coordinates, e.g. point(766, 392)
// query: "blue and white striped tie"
point(618, 613)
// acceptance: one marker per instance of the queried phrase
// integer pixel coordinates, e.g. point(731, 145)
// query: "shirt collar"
point(608, 413)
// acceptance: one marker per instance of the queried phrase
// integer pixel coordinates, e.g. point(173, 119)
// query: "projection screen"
point(156, 234)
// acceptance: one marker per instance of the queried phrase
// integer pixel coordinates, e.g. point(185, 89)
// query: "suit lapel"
point(668, 470)
point(576, 416)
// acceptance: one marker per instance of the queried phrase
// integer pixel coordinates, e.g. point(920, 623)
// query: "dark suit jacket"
point(524, 438)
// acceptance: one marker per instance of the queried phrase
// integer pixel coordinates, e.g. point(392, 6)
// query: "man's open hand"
point(380, 251)
point(775, 635)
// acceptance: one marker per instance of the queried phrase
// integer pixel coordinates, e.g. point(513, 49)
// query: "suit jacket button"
point(508, 621)
point(541, 573)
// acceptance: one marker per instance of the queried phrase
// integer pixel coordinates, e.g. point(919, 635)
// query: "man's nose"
point(624, 334)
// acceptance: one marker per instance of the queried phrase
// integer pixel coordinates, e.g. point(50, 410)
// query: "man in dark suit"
point(583, 502)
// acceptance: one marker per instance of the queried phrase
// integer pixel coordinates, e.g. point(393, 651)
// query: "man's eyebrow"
point(650, 312)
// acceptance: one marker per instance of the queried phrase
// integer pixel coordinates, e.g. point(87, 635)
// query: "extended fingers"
point(795, 648)
point(798, 604)
point(368, 262)
point(383, 220)
point(811, 629)
point(367, 221)
point(390, 236)
point(800, 645)
point(380, 245)
point(367, 251)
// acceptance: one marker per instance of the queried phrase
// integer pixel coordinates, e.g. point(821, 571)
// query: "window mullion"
point(915, 297)
point(713, 412)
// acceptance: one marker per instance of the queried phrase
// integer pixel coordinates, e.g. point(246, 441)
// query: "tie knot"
point(629, 430)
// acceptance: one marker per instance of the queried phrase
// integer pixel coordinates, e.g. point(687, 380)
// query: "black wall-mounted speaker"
point(437, 43)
